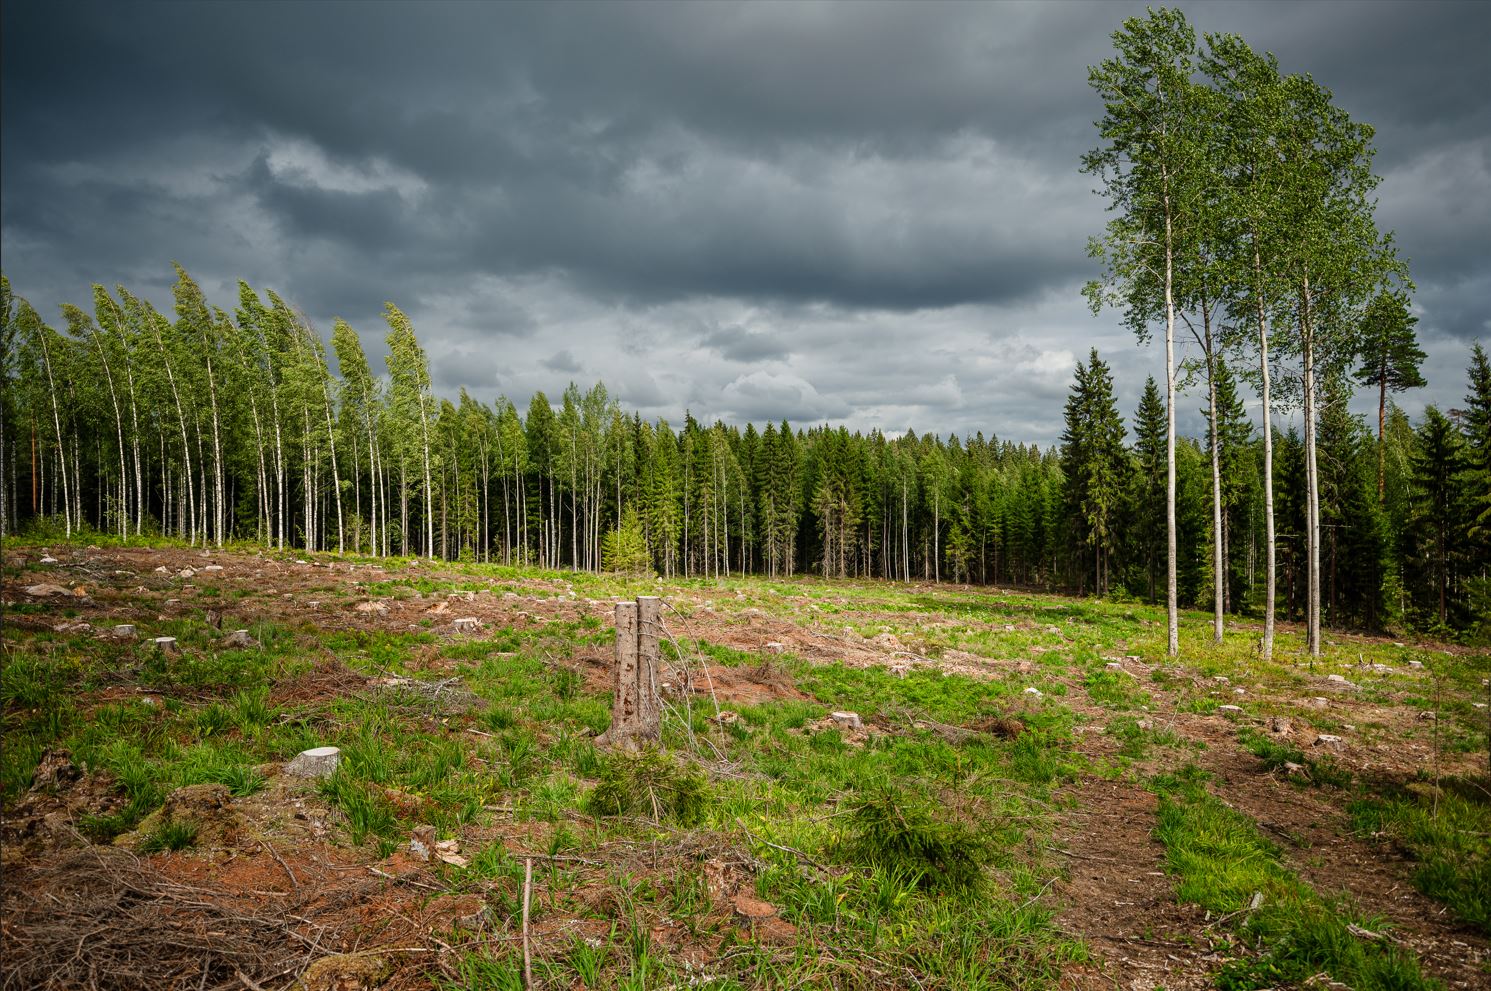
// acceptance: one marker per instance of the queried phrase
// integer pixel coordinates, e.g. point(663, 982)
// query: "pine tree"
point(1390, 358)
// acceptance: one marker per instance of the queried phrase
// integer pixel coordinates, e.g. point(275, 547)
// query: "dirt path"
point(1311, 828)
point(1118, 898)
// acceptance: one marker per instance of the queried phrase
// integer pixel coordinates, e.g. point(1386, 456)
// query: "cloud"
point(866, 213)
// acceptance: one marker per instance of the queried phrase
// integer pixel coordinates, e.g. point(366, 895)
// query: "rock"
point(1340, 679)
point(1033, 691)
point(466, 624)
point(380, 608)
point(318, 762)
point(45, 590)
point(163, 570)
point(1416, 665)
point(1327, 740)
point(1229, 708)
point(1009, 627)
point(1279, 724)
point(422, 843)
point(185, 573)
point(345, 972)
point(1222, 679)
point(166, 645)
point(1025, 667)
point(1239, 691)
point(1428, 716)
point(239, 640)
point(847, 720)
point(1320, 703)
point(1054, 630)
point(124, 631)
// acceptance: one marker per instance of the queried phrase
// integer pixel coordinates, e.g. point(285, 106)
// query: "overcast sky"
point(867, 214)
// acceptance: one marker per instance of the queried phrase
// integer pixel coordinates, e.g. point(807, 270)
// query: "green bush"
point(906, 833)
point(649, 784)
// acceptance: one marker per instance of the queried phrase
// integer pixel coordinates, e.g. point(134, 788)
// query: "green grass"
point(908, 856)
point(1287, 931)
point(1450, 840)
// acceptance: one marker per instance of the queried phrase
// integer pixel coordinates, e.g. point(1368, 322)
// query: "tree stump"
point(636, 710)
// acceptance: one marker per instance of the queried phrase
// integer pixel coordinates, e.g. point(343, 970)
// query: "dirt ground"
point(279, 893)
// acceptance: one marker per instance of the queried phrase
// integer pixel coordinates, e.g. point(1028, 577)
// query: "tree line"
point(217, 427)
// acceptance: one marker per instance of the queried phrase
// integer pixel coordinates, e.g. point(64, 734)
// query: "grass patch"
point(1450, 840)
point(1289, 932)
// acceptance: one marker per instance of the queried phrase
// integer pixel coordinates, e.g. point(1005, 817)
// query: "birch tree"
point(1153, 174)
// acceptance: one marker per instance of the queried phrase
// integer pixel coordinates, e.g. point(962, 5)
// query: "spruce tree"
point(1093, 462)
point(1149, 481)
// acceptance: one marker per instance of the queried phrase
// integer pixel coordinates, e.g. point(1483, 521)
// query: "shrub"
point(906, 833)
point(650, 784)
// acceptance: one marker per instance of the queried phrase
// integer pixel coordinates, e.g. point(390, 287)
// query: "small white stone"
point(318, 762)
point(185, 573)
point(1239, 691)
point(1033, 691)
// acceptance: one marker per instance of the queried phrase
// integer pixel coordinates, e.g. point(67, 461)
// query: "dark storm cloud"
point(868, 212)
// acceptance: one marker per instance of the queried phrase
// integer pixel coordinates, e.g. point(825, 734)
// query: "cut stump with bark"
point(636, 710)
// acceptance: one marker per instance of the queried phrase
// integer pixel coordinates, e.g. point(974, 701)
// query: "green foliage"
point(649, 784)
point(906, 833)
point(171, 836)
point(624, 549)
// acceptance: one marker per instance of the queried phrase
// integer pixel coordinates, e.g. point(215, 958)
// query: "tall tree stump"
point(636, 711)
